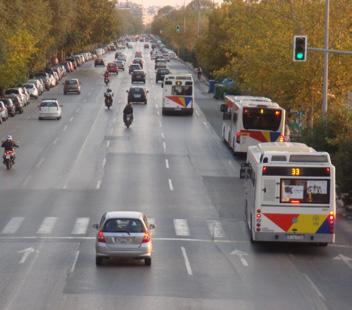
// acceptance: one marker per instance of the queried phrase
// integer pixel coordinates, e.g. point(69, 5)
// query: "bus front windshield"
point(181, 90)
point(262, 119)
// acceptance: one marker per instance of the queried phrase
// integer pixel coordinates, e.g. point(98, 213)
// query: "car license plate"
point(137, 96)
point(124, 240)
point(8, 156)
point(294, 237)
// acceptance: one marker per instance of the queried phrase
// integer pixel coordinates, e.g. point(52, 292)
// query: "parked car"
point(27, 94)
point(72, 86)
point(45, 78)
point(99, 62)
point(137, 94)
point(16, 99)
point(4, 115)
point(11, 109)
point(50, 109)
point(38, 84)
point(138, 76)
point(124, 234)
point(160, 74)
point(19, 92)
point(32, 90)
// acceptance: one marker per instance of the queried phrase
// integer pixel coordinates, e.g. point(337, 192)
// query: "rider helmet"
point(9, 137)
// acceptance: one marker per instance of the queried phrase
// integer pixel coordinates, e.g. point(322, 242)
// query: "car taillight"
point(101, 237)
point(146, 238)
point(238, 137)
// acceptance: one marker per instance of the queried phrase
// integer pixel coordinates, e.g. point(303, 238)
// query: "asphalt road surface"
point(177, 171)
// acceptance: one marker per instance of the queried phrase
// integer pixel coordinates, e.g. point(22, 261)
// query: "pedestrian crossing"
point(82, 226)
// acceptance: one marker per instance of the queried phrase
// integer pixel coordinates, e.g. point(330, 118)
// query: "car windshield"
point(123, 225)
point(49, 104)
point(71, 82)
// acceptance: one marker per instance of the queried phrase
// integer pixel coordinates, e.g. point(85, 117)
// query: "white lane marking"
point(40, 162)
point(114, 120)
point(13, 225)
point(65, 128)
point(205, 124)
point(55, 141)
point(181, 227)
point(108, 144)
point(171, 187)
point(314, 286)
point(160, 124)
point(162, 135)
point(156, 105)
point(243, 261)
point(47, 225)
point(104, 162)
point(71, 119)
point(81, 226)
point(164, 146)
point(78, 109)
point(167, 163)
point(26, 253)
point(187, 263)
point(74, 262)
point(157, 112)
point(98, 184)
point(231, 164)
point(197, 113)
point(215, 229)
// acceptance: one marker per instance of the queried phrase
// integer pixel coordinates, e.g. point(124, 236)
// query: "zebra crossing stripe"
point(47, 225)
point(215, 229)
point(13, 225)
point(181, 227)
point(81, 226)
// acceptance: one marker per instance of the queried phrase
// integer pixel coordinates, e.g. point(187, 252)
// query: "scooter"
point(128, 118)
point(9, 159)
point(108, 102)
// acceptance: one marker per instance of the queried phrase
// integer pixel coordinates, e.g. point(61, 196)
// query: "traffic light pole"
point(326, 61)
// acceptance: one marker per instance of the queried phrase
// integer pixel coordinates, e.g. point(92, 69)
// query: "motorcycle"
point(9, 159)
point(108, 102)
point(128, 118)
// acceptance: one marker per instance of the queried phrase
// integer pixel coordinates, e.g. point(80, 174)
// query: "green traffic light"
point(299, 56)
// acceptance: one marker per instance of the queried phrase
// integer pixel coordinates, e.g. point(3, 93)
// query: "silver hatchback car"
point(124, 234)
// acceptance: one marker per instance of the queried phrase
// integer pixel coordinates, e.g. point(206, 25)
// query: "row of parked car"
point(16, 98)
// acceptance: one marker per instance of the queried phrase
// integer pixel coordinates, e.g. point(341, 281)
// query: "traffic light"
point(300, 48)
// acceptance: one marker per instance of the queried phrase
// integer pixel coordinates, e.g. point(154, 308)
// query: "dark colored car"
point(17, 103)
point(160, 74)
point(72, 86)
point(138, 61)
point(133, 67)
point(138, 76)
point(9, 105)
point(99, 62)
point(137, 94)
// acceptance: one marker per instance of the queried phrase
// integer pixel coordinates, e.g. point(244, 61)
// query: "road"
point(177, 171)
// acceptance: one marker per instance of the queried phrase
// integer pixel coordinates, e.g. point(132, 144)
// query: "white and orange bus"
point(251, 120)
point(289, 193)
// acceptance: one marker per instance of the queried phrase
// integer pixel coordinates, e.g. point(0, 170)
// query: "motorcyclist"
point(128, 110)
point(106, 77)
point(108, 95)
point(9, 145)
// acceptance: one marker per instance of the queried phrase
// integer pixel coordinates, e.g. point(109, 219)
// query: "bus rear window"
point(181, 90)
point(304, 191)
point(262, 119)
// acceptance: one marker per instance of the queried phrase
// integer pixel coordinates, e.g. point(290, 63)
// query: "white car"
point(39, 84)
point(4, 115)
point(50, 109)
point(32, 90)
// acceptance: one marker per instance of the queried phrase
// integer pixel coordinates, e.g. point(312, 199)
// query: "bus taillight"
point(238, 137)
point(282, 138)
point(331, 221)
point(327, 171)
point(264, 169)
point(277, 113)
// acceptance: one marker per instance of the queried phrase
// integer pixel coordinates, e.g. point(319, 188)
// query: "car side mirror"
point(95, 226)
point(152, 226)
point(223, 108)
point(126, 91)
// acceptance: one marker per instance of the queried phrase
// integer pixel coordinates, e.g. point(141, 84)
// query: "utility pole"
point(326, 61)
point(198, 21)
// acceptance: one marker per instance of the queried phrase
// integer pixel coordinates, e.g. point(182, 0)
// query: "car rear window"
point(70, 82)
point(137, 90)
point(123, 225)
point(49, 104)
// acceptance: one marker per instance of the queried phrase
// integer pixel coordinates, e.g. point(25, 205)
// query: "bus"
point(178, 94)
point(289, 193)
point(251, 120)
